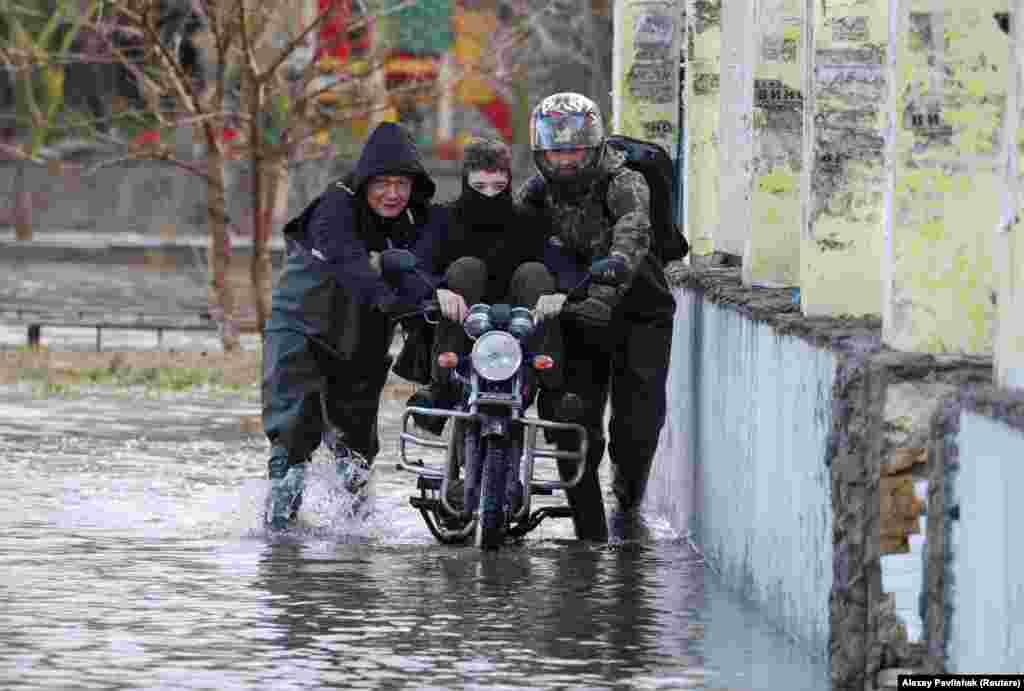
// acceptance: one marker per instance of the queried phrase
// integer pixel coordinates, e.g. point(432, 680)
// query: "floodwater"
point(133, 556)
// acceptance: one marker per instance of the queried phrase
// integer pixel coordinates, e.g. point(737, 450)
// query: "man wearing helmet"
point(617, 343)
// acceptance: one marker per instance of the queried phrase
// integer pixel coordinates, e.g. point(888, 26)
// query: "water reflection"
point(133, 556)
point(543, 615)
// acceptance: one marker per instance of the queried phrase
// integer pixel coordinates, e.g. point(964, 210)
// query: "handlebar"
point(428, 307)
point(574, 297)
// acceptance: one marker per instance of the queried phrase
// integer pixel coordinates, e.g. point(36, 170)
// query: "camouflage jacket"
point(589, 226)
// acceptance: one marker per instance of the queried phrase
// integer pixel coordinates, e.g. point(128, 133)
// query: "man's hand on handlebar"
point(549, 306)
point(452, 305)
point(593, 312)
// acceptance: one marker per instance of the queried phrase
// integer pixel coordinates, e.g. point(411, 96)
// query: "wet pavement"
point(134, 556)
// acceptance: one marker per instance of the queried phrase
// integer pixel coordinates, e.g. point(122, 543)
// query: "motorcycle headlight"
point(478, 322)
point(521, 323)
point(497, 356)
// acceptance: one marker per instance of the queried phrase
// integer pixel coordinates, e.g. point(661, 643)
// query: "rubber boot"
point(629, 485)
point(353, 469)
point(585, 499)
point(285, 496)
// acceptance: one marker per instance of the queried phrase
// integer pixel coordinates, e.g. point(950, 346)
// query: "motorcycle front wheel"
point(491, 527)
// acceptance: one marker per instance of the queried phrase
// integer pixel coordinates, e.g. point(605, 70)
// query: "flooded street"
point(134, 556)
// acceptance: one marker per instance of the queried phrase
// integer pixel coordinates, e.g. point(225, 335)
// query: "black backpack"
point(651, 161)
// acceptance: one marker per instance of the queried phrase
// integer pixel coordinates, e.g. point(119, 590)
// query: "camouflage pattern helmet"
point(486, 154)
point(567, 121)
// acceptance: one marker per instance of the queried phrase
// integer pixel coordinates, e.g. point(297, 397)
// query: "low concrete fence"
point(975, 608)
point(744, 448)
point(810, 464)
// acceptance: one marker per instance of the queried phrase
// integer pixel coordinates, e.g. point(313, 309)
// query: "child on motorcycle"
point(492, 253)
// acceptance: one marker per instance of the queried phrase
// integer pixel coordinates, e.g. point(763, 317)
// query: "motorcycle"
point(483, 489)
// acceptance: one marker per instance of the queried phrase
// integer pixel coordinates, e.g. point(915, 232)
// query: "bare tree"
point(247, 85)
point(35, 39)
point(254, 73)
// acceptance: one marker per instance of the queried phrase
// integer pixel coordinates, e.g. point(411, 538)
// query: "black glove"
point(594, 312)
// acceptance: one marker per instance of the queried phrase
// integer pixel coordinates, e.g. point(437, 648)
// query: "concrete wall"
point(1008, 253)
point(772, 253)
point(976, 617)
point(703, 98)
point(949, 69)
point(987, 627)
point(844, 174)
point(748, 425)
point(799, 452)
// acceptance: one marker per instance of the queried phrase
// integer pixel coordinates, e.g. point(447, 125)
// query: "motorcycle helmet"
point(567, 121)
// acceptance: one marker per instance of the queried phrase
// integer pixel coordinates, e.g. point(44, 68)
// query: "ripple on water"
point(135, 556)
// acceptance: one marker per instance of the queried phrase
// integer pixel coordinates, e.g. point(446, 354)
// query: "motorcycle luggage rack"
point(530, 454)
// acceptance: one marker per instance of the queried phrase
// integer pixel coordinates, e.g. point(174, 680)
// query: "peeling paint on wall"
point(950, 71)
point(1009, 254)
point(703, 83)
point(647, 71)
point(1009, 346)
point(736, 150)
point(772, 253)
point(843, 235)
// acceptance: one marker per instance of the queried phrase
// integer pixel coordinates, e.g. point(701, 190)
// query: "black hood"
point(390, 150)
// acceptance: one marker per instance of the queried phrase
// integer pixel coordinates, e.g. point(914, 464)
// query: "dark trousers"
point(625, 363)
point(308, 392)
point(467, 276)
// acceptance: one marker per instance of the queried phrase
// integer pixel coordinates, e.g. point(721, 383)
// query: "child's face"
point(489, 183)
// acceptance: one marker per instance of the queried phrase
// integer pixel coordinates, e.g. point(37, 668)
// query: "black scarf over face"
point(494, 230)
point(478, 210)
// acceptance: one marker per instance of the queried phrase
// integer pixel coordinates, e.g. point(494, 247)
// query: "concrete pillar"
point(645, 65)
point(703, 89)
point(845, 175)
point(771, 254)
point(736, 124)
point(948, 67)
point(1009, 241)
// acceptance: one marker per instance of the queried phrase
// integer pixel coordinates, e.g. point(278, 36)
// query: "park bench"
point(36, 318)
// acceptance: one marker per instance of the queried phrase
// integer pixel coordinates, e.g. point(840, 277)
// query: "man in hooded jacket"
point(492, 253)
point(325, 353)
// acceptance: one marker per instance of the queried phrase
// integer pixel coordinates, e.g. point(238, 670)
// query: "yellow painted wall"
point(1009, 240)
point(703, 80)
point(1009, 347)
point(647, 71)
point(772, 254)
point(950, 66)
point(843, 239)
